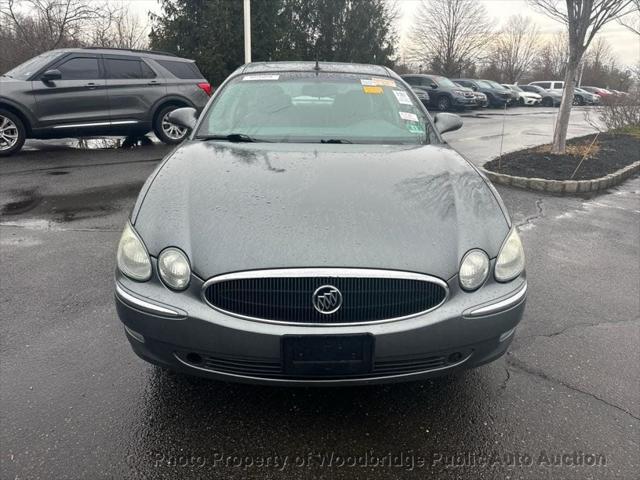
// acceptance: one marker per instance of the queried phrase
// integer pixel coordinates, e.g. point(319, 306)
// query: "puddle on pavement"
point(63, 208)
point(110, 143)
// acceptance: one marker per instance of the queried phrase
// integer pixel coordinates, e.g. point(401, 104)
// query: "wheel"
point(521, 101)
point(578, 100)
point(444, 104)
point(12, 133)
point(166, 131)
point(547, 102)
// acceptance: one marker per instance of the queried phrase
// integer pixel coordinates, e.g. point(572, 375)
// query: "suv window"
point(80, 68)
point(559, 85)
point(118, 68)
point(545, 85)
point(184, 70)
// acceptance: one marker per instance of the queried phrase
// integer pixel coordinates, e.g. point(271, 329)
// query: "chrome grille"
point(286, 295)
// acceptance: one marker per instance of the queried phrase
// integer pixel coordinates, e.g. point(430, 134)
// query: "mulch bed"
point(609, 153)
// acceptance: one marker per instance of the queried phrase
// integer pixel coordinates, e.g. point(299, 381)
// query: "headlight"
point(174, 268)
point(510, 262)
point(132, 257)
point(474, 269)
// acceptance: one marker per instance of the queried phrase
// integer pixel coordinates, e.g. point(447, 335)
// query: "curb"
point(564, 187)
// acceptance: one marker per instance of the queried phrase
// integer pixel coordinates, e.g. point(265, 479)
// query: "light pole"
point(247, 31)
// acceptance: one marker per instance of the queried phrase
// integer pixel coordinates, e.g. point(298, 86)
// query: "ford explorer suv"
point(95, 91)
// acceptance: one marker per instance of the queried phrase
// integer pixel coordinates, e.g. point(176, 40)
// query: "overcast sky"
point(624, 45)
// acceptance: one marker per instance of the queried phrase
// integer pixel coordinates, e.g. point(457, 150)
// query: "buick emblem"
point(327, 299)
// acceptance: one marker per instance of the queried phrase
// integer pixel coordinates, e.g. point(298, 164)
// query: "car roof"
point(126, 51)
point(303, 66)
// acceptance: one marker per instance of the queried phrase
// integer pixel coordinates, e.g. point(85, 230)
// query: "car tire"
point(444, 104)
point(166, 131)
point(547, 102)
point(12, 133)
point(578, 100)
point(521, 102)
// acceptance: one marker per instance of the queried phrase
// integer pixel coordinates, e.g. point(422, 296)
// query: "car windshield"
point(483, 84)
point(315, 107)
point(495, 85)
point(515, 88)
point(31, 66)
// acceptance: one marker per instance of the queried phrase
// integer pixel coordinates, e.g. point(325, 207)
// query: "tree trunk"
point(562, 123)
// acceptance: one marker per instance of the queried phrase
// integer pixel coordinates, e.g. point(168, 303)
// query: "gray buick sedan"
point(315, 229)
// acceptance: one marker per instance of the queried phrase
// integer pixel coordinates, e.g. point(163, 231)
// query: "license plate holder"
point(327, 355)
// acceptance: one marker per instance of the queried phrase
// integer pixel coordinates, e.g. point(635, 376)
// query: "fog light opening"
point(507, 334)
point(194, 358)
point(455, 357)
point(134, 334)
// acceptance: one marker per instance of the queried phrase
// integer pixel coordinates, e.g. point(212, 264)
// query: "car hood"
point(530, 95)
point(246, 206)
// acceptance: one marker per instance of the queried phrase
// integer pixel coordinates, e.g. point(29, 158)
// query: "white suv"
point(555, 85)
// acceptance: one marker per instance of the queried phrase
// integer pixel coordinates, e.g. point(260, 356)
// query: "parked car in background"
point(602, 92)
point(550, 85)
point(443, 93)
point(496, 97)
point(422, 95)
point(550, 98)
point(97, 91)
point(513, 96)
point(582, 97)
point(524, 98)
point(479, 97)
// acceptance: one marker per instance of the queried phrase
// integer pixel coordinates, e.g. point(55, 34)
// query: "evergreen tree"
point(211, 32)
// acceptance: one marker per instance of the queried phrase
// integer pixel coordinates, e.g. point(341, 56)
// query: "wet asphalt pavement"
point(77, 403)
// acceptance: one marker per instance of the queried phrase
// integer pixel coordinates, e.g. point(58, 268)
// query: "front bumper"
point(531, 101)
point(463, 101)
point(185, 334)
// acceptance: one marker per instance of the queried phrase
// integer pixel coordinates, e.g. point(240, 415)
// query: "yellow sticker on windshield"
point(374, 90)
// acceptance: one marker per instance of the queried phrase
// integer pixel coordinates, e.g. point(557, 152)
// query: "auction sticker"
point(402, 97)
point(384, 82)
point(260, 77)
point(412, 117)
point(374, 90)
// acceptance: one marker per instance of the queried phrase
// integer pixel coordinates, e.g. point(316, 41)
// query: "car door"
point(77, 99)
point(133, 87)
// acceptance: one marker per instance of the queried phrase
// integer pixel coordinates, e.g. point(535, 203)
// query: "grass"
point(633, 130)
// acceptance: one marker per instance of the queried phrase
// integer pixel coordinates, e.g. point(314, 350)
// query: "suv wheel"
point(444, 104)
point(578, 100)
point(12, 133)
point(547, 102)
point(166, 131)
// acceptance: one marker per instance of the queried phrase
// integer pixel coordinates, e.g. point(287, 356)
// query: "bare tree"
point(515, 47)
point(449, 35)
point(583, 19)
point(54, 23)
point(631, 21)
point(117, 27)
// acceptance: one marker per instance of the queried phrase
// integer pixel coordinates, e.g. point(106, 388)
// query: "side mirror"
point(51, 75)
point(186, 117)
point(474, 88)
point(447, 122)
point(434, 86)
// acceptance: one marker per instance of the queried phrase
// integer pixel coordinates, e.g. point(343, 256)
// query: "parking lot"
point(77, 403)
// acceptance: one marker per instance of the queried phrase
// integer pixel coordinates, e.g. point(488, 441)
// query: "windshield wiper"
point(335, 140)
point(232, 137)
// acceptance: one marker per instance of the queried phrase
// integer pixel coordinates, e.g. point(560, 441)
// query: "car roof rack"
point(154, 52)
